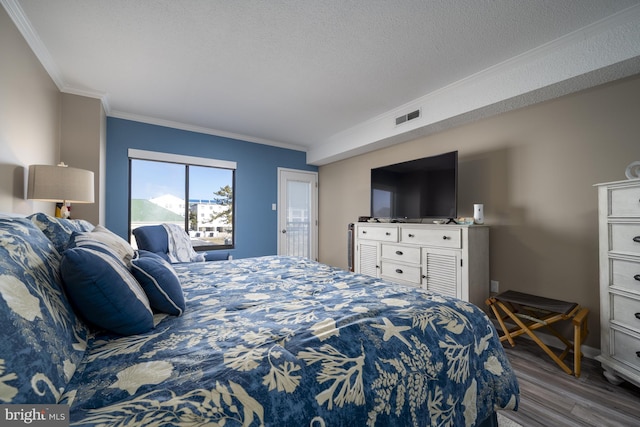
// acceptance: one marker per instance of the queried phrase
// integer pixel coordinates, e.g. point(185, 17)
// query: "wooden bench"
point(531, 312)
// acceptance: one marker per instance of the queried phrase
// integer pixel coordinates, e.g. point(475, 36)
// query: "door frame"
point(313, 212)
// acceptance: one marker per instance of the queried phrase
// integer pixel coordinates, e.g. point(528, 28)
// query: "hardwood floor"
point(551, 398)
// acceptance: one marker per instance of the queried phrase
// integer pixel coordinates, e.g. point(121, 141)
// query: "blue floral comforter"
point(289, 342)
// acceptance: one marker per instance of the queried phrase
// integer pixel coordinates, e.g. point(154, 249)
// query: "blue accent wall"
point(256, 177)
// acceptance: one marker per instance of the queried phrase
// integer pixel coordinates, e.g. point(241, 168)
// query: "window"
point(195, 193)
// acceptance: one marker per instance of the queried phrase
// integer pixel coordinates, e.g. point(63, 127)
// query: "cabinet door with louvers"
point(367, 254)
point(442, 271)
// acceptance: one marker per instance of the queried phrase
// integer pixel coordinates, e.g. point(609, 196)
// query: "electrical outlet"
point(495, 286)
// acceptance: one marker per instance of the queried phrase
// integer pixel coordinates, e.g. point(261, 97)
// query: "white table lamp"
point(60, 183)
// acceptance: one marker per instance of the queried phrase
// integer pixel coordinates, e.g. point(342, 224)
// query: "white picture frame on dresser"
point(449, 259)
point(619, 261)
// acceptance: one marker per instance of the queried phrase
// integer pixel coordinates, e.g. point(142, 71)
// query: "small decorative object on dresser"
point(633, 170)
point(619, 225)
point(478, 213)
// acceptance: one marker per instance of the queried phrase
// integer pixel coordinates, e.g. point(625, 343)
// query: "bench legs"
point(578, 317)
point(580, 332)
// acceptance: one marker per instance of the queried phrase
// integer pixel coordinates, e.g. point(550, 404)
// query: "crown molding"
point(609, 42)
point(103, 97)
point(17, 15)
point(203, 130)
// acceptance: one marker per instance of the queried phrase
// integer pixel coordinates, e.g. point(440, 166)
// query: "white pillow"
point(103, 236)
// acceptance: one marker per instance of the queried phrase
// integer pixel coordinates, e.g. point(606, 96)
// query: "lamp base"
point(63, 211)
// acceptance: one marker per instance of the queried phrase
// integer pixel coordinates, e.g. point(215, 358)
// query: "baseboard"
point(589, 352)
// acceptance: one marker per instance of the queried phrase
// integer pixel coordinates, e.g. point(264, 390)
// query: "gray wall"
point(83, 136)
point(534, 170)
point(41, 125)
point(29, 119)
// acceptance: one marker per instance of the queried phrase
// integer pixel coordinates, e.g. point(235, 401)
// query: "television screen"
point(422, 188)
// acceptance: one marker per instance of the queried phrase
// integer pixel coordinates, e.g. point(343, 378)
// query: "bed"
point(269, 341)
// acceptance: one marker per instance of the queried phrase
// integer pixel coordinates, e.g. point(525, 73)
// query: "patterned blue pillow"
point(42, 340)
point(59, 230)
point(104, 291)
point(159, 281)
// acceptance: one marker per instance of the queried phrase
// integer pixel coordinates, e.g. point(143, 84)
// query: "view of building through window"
point(198, 198)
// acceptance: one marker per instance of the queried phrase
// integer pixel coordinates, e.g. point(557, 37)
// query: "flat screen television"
point(417, 189)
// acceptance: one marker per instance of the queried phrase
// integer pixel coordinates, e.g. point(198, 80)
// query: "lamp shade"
point(60, 184)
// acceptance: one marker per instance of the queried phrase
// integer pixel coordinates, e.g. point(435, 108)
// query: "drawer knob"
point(636, 239)
point(387, 233)
point(400, 253)
point(637, 277)
point(445, 237)
point(637, 316)
point(638, 353)
point(411, 235)
point(398, 271)
point(364, 231)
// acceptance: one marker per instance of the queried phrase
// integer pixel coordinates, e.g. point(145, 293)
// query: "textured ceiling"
point(292, 73)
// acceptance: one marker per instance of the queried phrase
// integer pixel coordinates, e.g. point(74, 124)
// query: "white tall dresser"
point(619, 234)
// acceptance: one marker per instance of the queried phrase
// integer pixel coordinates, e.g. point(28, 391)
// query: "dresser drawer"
point(386, 234)
point(442, 236)
point(401, 253)
point(625, 202)
point(626, 348)
point(625, 275)
point(404, 272)
point(625, 238)
point(626, 311)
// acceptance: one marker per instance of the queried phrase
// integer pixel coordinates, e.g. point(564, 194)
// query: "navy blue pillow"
point(159, 281)
point(104, 291)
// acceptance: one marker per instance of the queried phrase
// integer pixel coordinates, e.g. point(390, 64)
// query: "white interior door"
point(298, 213)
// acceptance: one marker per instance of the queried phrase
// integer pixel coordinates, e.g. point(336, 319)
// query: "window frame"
point(186, 161)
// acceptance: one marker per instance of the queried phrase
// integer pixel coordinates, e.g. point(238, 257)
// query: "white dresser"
point(619, 234)
point(450, 259)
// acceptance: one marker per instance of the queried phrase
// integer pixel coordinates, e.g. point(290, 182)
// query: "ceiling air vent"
point(405, 118)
